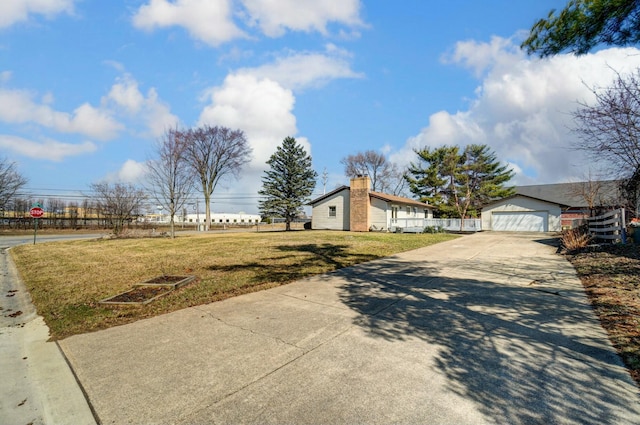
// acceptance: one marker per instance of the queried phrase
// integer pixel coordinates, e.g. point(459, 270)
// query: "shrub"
point(576, 238)
point(433, 229)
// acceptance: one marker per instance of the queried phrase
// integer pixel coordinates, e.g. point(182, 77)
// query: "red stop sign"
point(36, 212)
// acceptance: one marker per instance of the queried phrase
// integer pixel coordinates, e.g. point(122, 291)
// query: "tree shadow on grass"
point(525, 353)
point(281, 269)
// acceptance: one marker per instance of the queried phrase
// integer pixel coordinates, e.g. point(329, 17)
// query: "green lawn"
point(67, 279)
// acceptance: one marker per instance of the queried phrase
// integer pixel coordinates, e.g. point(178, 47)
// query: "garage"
point(519, 213)
point(529, 221)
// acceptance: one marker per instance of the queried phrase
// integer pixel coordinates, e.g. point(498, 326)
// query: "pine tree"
point(459, 182)
point(289, 182)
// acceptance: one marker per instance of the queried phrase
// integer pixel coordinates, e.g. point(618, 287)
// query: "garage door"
point(530, 221)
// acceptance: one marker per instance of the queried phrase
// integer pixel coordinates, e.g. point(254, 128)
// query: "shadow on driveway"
point(519, 340)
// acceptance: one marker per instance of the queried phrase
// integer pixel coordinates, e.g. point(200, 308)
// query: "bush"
point(576, 238)
point(433, 229)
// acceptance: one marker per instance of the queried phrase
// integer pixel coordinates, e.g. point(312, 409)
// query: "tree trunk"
point(207, 209)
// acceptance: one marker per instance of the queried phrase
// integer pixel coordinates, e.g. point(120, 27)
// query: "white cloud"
point(5, 76)
point(260, 101)
point(49, 149)
point(18, 106)
point(260, 107)
point(302, 70)
point(130, 172)
point(126, 97)
point(275, 17)
point(212, 21)
point(13, 11)
point(209, 21)
point(522, 108)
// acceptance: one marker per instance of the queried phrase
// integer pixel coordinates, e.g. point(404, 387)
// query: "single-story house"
point(357, 208)
point(549, 207)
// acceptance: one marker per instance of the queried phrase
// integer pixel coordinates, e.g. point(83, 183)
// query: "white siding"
point(380, 213)
point(519, 204)
point(320, 219)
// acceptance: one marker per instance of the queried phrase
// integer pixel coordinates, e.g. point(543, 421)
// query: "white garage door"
point(530, 221)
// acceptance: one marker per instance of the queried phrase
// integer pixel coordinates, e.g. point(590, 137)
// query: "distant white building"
point(217, 219)
point(221, 219)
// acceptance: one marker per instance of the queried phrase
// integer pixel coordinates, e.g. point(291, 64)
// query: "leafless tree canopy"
point(11, 181)
point(215, 153)
point(385, 176)
point(119, 203)
point(609, 130)
point(169, 175)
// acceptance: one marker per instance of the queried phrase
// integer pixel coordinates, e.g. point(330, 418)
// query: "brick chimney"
point(359, 204)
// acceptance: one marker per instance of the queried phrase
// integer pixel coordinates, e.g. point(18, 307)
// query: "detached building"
point(358, 209)
point(550, 207)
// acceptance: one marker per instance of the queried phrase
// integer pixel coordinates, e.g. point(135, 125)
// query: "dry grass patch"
point(67, 279)
point(611, 278)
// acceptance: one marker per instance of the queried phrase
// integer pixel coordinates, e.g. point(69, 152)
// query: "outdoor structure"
point(357, 208)
point(550, 207)
point(220, 219)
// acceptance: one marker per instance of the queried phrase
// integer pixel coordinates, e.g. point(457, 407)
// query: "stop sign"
point(36, 212)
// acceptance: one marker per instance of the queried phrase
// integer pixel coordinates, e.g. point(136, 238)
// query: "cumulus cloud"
point(275, 17)
point(298, 71)
point(130, 172)
point(14, 11)
point(49, 149)
point(212, 21)
point(260, 107)
point(125, 96)
point(260, 101)
point(18, 106)
point(522, 107)
point(209, 21)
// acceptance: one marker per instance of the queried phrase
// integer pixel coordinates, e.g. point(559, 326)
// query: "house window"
point(394, 214)
point(332, 211)
point(415, 211)
point(408, 211)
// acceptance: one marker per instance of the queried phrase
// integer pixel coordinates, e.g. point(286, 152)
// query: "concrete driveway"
point(488, 328)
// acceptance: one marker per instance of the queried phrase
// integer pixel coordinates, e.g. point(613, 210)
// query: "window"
point(408, 211)
point(332, 211)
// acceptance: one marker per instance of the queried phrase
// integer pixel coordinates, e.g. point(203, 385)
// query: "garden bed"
point(149, 290)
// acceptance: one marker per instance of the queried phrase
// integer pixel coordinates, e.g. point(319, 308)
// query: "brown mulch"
point(139, 294)
point(611, 278)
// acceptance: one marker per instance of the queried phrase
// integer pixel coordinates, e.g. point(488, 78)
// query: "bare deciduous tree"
point(119, 203)
point(215, 153)
point(385, 176)
point(609, 132)
point(11, 181)
point(169, 175)
point(609, 129)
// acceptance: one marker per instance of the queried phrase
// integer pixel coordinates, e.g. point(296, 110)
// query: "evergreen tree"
point(584, 24)
point(289, 183)
point(458, 182)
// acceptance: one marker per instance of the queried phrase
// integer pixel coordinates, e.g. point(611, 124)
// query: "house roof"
point(518, 195)
point(606, 193)
point(383, 196)
point(327, 195)
point(399, 199)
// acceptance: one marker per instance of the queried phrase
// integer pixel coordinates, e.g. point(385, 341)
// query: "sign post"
point(36, 212)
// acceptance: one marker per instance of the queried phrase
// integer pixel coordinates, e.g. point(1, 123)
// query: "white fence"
point(418, 225)
point(609, 226)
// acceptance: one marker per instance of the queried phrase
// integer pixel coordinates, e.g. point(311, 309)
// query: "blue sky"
point(87, 86)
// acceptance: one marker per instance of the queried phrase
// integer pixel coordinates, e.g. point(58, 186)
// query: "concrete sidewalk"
point(488, 328)
point(36, 385)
